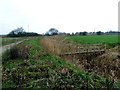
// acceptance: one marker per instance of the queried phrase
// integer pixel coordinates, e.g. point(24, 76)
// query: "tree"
point(32, 34)
point(52, 31)
point(99, 33)
point(20, 32)
point(83, 33)
point(17, 32)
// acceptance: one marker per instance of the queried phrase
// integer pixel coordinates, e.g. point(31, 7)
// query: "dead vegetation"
point(108, 64)
point(20, 51)
point(59, 46)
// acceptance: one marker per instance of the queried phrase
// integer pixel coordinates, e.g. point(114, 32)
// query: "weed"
point(21, 51)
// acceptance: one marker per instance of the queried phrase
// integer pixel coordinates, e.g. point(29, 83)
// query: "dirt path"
point(4, 48)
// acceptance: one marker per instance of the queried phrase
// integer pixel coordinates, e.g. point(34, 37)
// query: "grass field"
point(40, 70)
point(102, 39)
point(6, 41)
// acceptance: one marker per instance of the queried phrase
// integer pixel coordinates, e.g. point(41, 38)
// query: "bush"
point(21, 51)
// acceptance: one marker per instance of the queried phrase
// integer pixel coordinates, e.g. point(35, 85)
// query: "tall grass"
point(17, 52)
point(59, 46)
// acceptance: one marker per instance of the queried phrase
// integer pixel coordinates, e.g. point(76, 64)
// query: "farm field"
point(6, 41)
point(110, 40)
point(28, 65)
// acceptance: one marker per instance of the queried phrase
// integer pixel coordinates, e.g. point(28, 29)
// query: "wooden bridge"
point(84, 52)
point(60, 47)
point(82, 49)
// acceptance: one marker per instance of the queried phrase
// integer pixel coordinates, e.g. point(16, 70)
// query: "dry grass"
point(20, 51)
point(108, 64)
point(52, 45)
point(59, 46)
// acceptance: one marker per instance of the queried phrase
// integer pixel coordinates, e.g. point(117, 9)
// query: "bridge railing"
point(58, 47)
point(78, 48)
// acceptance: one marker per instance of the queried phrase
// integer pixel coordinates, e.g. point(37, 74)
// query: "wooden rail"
point(59, 47)
point(84, 52)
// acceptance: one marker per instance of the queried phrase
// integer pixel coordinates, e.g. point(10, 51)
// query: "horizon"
point(65, 32)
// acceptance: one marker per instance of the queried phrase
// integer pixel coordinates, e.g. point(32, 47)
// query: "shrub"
point(21, 51)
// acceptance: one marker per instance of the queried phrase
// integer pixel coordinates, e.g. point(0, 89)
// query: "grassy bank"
point(39, 70)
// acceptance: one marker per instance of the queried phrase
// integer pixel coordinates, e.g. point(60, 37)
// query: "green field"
point(6, 41)
point(102, 39)
point(43, 71)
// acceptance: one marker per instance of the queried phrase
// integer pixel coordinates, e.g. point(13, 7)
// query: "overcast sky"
point(64, 15)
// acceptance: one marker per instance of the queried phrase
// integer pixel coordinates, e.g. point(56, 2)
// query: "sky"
point(64, 15)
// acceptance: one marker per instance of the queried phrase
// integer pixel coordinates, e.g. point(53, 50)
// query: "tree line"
point(20, 32)
point(54, 31)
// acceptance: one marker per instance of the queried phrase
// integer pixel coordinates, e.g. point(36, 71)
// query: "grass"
point(110, 40)
point(43, 71)
point(6, 41)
